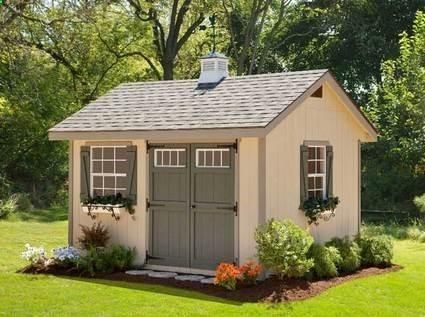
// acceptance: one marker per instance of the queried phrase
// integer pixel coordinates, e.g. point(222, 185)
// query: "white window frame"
point(221, 150)
point(115, 175)
point(322, 175)
point(177, 150)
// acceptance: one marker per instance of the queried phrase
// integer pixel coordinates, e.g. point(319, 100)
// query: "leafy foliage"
point(350, 254)
point(226, 276)
point(315, 207)
point(7, 206)
point(376, 251)
point(249, 272)
point(282, 247)
point(66, 256)
point(113, 200)
point(326, 260)
point(419, 202)
point(94, 237)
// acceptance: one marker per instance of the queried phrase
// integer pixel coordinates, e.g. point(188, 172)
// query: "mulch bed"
point(272, 290)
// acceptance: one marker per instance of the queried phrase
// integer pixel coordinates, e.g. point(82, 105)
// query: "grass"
point(394, 294)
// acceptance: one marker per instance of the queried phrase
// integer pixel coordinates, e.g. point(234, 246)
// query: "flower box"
point(113, 210)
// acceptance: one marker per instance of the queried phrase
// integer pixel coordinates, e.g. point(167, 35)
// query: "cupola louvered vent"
point(213, 69)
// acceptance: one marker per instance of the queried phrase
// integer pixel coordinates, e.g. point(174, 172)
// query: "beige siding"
point(248, 196)
point(321, 119)
point(129, 230)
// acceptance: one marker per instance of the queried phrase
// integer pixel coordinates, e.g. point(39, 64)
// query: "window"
point(170, 157)
point(108, 170)
point(316, 172)
point(213, 158)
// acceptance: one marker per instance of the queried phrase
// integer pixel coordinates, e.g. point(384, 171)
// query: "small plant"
point(282, 247)
point(249, 272)
point(106, 260)
point(93, 237)
point(350, 254)
point(314, 208)
point(23, 202)
point(413, 233)
point(226, 276)
point(36, 256)
point(110, 200)
point(7, 207)
point(66, 256)
point(419, 202)
point(376, 251)
point(326, 260)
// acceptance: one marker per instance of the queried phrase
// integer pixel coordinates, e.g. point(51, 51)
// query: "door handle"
point(193, 206)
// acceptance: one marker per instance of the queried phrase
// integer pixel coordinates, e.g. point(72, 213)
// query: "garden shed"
point(206, 161)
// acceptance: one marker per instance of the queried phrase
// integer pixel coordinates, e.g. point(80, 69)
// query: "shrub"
point(326, 260)
point(413, 233)
point(23, 202)
point(422, 237)
point(419, 202)
point(7, 206)
point(106, 260)
point(249, 272)
point(350, 254)
point(66, 256)
point(282, 247)
point(226, 276)
point(376, 251)
point(93, 237)
point(34, 255)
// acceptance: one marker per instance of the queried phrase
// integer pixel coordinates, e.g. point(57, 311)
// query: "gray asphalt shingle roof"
point(237, 102)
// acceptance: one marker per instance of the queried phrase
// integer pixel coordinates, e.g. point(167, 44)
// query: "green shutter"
point(329, 171)
point(132, 173)
point(303, 174)
point(85, 173)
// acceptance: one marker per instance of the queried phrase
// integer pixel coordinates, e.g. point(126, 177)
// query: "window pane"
point(108, 167)
point(319, 182)
point(166, 158)
point(311, 194)
point(311, 183)
point(182, 158)
point(217, 158)
point(173, 160)
point(97, 181)
point(226, 158)
point(97, 153)
point(319, 194)
point(109, 182)
point(201, 158)
point(108, 153)
point(158, 158)
point(121, 153)
point(109, 192)
point(311, 153)
point(121, 182)
point(97, 166)
point(208, 158)
point(320, 153)
point(311, 167)
point(320, 167)
point(97, 192)
point(121, 167)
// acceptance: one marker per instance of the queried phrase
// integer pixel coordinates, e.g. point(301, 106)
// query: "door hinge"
point(148, 204)
point(235, 146)
point(150, 257)
point(235, 208)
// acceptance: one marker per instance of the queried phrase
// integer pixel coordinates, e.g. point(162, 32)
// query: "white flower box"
point(93, 210)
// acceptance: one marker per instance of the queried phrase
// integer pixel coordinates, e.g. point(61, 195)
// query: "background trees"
point(56, 56)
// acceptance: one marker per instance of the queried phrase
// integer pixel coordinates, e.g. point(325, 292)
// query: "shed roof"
point(236, 102)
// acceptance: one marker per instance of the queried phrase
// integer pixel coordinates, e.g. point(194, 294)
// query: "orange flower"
point(226, 275)
point(250, 271)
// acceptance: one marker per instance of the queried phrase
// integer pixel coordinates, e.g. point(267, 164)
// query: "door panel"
point(169, 199)
point(212, 201)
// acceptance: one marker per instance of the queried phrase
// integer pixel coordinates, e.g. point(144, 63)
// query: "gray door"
point(191, 205)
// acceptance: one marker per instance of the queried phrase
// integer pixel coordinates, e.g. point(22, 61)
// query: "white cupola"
point(213, 68)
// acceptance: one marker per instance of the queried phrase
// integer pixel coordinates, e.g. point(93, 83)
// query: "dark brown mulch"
point(272, 290)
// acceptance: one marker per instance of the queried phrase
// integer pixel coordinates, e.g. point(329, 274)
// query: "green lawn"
point(394, 294)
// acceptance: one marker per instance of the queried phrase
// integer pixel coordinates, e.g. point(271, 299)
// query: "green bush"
point(419, 202)
point(23, 202)
point(282, 247)
point(422, 238)
point(106, 260)
point(326, 260)
point(7, 206)
point(413, 233)
point(350, 254)
point(376, 251)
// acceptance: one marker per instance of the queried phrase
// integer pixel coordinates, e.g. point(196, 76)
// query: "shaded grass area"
point(393, 294)
point(40, 215)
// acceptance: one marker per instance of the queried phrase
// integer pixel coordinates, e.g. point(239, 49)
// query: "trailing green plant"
point(326, 260)
point(106, 260)
point(350, 254)
point(314, 208)
point(111, 200)
point(282, 247)
point(7, 206)
point(94, 237)
point(376, 251)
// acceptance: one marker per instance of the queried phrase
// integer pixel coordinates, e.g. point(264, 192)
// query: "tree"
point(395, 166)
